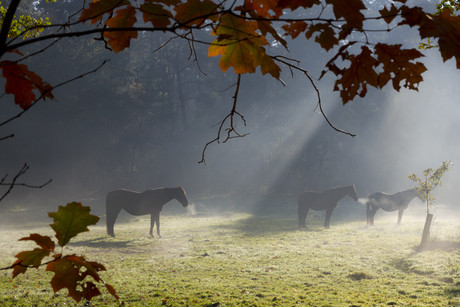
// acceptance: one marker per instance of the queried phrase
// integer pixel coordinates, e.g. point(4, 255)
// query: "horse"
point(141, 203)
point(389, 203)
point(326, 200)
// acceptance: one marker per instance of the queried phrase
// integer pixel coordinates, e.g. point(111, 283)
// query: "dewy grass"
point(242, 259)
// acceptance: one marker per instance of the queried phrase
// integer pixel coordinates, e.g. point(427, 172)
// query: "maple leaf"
point(156, 14)
point(350, 11)
point(294, 28)
point(355, 78)
point(97, 8)
point(397, 66)
point(446, 28)
point(21, 82)
point(195, 12)
point(295, 4)
point(71, 220)
point(26, 259)
point(265, 27)
point(326, 38)
point(389, 15)
point(263, 7)
point(125, 18)
point(241, 47)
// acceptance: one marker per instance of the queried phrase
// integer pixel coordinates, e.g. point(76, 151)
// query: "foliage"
point(24, 26)
point(70, 271)
point(432, 180)
point(245, 36)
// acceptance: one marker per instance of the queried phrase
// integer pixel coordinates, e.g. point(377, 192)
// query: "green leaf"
point(71, 220)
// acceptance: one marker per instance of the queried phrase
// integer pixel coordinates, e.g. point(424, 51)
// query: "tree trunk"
point(426, 231)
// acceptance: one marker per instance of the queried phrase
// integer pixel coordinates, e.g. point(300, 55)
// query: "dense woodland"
point(143, 120)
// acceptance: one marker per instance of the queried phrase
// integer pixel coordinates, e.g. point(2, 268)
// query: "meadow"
point(246, 251)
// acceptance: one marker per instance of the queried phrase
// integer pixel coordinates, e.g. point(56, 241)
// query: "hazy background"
point(143, 120)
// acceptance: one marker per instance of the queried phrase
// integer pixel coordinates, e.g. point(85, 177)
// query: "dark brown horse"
point(389, 203)
point(137, 203)
point(326, 200)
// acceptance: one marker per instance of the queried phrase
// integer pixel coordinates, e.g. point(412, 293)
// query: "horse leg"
point(400, 213)
point(328, 217)
point(111, 215)
point(303, 211)
point(372, 214)
point(155, 217)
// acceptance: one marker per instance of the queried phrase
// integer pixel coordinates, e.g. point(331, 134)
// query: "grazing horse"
point(326, 200)
point(137, 203)
point(389, 203)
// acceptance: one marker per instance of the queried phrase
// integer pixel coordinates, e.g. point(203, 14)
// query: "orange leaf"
point(397, 66)
point(241, 47)
point(156, 14)
point(195, 12)
point(265, 26)
point(125, 18)
point(97, 8)
point(350, 11)
point(21, 82)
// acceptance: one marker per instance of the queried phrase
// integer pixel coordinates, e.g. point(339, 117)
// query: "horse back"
point(135, 203)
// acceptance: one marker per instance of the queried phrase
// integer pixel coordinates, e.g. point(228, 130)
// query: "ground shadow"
point(100, 243)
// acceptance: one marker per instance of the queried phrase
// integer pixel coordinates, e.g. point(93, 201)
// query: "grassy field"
point(220, 253)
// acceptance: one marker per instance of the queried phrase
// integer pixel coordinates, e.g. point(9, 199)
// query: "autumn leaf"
point(44, 242)
point(265, 27)
point(190, 13)
point(66, 276)
point(97, 8)
point(446, 28)
point(295, 4)
point(26, 259)
point(125, 18)
point(326, 38)
point(397, 66)
point(389, 15)
point(294, 28)
point(354, 79)
point(21, 82)
point(263, 8)
point(71, 220)
point(241, 47)
point(350, 11)
point(156, 14)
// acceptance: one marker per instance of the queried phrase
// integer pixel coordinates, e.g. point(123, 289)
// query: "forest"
point(143, 120)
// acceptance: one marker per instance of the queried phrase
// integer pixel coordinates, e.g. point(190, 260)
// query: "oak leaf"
point(71, 220)
point(125, 18)
point(27, 259)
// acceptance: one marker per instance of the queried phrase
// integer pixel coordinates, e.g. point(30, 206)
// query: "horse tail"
point(112, 209)
point(368, 212)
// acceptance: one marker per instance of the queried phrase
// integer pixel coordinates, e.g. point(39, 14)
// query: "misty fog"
point(128, 126)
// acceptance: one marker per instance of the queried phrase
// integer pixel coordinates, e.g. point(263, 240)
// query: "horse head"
point(179, 195)
point(353, 193)
point(419, 196)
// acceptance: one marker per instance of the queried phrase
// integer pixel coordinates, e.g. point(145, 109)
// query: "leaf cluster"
point(24, 26)
point(70, 271)
point(432, 180)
